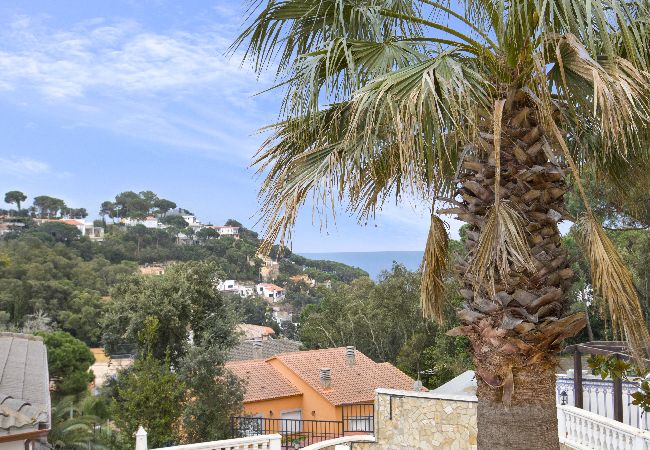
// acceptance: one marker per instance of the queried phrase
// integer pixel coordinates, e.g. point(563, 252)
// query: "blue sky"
point(99, 97)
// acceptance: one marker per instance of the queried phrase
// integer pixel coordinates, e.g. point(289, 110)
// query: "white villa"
point(227, 231)
point(270, 291)
point(87, 229)
point(244, 289)
point(149, 222)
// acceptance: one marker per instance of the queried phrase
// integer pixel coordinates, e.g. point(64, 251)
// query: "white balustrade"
point(341, 442)
point(266, 442)
point(583, 430)
point(598, 397)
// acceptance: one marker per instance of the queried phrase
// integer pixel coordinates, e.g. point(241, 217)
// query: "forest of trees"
point(81, 294)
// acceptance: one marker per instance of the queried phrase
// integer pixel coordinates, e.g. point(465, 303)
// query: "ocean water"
point(372, 262)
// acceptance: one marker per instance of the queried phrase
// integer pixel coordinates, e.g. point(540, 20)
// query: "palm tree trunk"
point(516, 325)
point(530, 422)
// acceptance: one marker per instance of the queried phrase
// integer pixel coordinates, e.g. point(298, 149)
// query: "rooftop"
point(24, 383)
point(252, 331)
point(349, 384)
point(271, 286)
point(263, 382)
point(245, 350)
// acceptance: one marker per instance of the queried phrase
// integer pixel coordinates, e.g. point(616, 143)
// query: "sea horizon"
point(373, 262)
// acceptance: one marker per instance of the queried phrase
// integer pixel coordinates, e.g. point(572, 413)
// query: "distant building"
point(282, 314)
point(87, 229)
point(228, 286)
point(270, 291)
point(153, 269)
point(303, 278)
point(246, 290)
point(227, 231)
point(148, 222)
point(25, 409)
point(250, 331)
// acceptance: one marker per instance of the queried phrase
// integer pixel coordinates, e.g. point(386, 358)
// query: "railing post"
point(639, 443)
point(617, 395)
point(141, 439)
point(577, 378)
point(561, 424)
point(275, 443)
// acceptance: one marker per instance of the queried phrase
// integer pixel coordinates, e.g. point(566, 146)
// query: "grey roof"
point(270, 347)
point(24, 384)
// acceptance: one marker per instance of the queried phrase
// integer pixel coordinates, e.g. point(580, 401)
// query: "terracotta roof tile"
point(270, 347)
point(262, 380)
point(271, 286)
point(350, 384)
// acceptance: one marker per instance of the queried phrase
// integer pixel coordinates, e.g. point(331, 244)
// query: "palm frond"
point(614, 91)
point(502, 248)
point(422, 105)
point(332, 73)
point(434, 265)
point(612, 281)
point(284, 29)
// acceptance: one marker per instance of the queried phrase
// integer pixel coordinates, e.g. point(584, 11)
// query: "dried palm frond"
point(501, 248)
point(612, 281)
point(502, 245)
point(434, 264)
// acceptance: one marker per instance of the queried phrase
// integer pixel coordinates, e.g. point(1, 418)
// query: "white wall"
point(15, 445)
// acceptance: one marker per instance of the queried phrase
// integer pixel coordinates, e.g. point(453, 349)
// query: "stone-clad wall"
point(422, 421)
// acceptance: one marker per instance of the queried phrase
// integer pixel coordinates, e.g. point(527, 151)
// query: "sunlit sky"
point(99, 97)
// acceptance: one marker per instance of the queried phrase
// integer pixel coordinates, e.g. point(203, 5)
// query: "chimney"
point(350, 355)
point(257, 348)
point(325, 377)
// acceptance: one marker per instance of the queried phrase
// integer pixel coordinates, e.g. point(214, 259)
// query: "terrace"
point(444, 418)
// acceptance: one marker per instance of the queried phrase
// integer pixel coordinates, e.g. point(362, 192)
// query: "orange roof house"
point(315, 384)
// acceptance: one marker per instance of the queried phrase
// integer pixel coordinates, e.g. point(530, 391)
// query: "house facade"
point(315, 384)
point(227, 231)
point(270, 291)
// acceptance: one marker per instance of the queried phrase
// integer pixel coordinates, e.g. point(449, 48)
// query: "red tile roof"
point(71, 221)
point(350, 384)
point(271, 286)
point(263, 382)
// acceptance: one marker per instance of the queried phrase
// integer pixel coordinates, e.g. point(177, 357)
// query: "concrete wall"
point(416, 421)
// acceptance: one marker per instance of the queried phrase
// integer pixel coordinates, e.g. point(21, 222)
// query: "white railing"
point(266, 442)
point(340, 441)
point(584, 430)
point(598, 397)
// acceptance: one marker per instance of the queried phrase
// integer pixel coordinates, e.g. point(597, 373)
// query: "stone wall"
point(406, 420)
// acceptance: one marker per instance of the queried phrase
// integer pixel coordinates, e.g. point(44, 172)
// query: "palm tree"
point(75, 425)
point(491, 107)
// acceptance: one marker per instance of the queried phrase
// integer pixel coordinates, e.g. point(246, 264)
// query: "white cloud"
point(174, 88)
point(117, 56)
point(23, 167)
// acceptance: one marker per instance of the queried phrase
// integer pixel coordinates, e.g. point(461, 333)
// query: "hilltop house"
point(25, 412)
point(244, 289)
point(87, 229)
point(148, 222)
point(303, 278)
point(227, 231)
point(270, 291)
point(315, 384)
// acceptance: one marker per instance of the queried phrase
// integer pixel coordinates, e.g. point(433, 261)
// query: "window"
point(360, 423)
point(291, 422)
